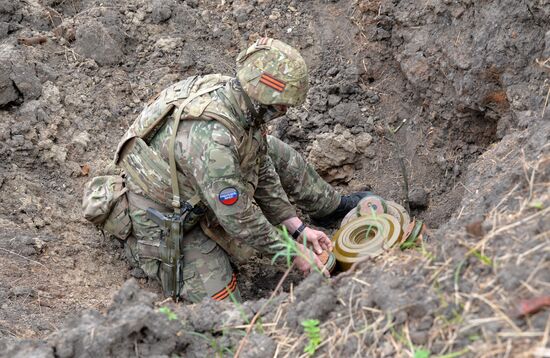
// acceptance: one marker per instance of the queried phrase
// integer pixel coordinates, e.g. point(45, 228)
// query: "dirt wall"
point(469, 77)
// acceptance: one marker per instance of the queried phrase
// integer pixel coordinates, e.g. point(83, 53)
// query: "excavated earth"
point(467, 84)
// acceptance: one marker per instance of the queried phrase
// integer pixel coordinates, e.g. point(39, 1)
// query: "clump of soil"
point(467, 82)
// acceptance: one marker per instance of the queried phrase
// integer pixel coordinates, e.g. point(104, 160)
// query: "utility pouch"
point(104, 203)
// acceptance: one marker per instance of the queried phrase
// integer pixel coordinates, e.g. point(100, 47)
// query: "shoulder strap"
point(176, 203)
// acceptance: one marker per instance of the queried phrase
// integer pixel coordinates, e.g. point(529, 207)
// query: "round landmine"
point(327, 259)
point(370, 205)
point(351, 215)
point(365, 236)
point(408, 231)
point(400, 213)
point(415, 234)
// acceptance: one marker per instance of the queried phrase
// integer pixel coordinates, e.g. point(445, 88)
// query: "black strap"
point(296, 234)
point(257, 116)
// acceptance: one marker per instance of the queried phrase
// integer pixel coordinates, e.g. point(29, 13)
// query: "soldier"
point(209, 132)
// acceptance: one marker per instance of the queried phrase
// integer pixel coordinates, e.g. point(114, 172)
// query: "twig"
point(257, 315)
point(21, 256)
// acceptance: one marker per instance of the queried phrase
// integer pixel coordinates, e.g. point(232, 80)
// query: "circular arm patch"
point(228, 196)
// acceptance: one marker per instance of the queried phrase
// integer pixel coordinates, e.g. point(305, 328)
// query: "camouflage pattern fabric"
point(242, 177)
point(272, 72)
point(300, 181)
point(207, 270)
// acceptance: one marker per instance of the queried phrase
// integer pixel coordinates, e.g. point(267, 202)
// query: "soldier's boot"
point(347, 202)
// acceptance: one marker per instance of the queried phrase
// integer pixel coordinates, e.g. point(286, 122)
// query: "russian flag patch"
point(228, 196)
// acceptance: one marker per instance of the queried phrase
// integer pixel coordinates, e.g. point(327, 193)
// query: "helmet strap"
point(250, 106)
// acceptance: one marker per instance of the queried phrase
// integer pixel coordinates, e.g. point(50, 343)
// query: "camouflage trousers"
point(207, 268)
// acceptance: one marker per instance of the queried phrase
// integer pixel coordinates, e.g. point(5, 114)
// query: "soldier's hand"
point(307, 261)
point(318, 240)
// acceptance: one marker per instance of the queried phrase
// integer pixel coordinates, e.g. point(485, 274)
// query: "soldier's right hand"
point(307, 261)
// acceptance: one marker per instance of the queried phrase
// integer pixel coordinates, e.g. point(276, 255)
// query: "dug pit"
point(467, 96)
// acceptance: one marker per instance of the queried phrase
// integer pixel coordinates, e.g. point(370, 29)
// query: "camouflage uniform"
point(244, 179)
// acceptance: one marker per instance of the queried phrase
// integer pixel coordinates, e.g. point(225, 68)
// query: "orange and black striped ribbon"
point(272, 82)
point(224, 293)
point(263, 41)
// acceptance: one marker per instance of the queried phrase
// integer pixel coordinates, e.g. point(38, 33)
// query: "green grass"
point(171, 315)
point(313, 333)
point(287, 248)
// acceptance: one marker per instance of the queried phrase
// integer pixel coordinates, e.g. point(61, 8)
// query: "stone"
point(259, 345)
point(8, 8)
point(346, 149)
point(17, 77)
point(347, 114)
point(8, 92)
point(419, 338)
point(333, 100)
point(23, 291)
point(161, 11)
point(418, 198)
point(25, 79)
point(168, 44)
point(95, 41)
point(333, 71)
point(241, 13)
point(82, 139)
point(4, 28)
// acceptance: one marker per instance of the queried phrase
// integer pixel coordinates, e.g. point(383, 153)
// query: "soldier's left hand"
point(318, 240)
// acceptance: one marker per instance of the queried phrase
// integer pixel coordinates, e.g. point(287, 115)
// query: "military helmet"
point(272, 72)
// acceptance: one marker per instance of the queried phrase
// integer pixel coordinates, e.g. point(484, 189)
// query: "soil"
point(467, 84)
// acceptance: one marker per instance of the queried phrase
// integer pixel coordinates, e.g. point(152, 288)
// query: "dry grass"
point(360, 331)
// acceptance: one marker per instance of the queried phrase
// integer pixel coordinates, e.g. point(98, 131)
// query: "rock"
point(373, 99)
point(316, 306)
point(138, 273)
point(8, 92)
point(348, 114)
point(25, 80)
point(17, 77)
point(259, 345)
point(95, 41)
point(51, 96)
point(7, 9)
point(23, 291)
point(168, 44)
point(419, 338)
point(82, 139)
point(241, 13)
point(418, 198)
point(337, 163)
point(31, 113)
point(130, 294)
point(4, 28)
point(161, 11)
point(417, 70)
point(380, 34)
point(333, 100)
point(333, 71)
point(387, 350)
point(27, 348)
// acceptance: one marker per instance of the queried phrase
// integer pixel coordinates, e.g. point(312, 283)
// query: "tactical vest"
point(190, 99)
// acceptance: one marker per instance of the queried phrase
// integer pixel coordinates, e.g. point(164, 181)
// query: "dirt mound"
point(469, 77)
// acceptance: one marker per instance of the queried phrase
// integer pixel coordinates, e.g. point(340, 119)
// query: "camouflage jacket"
point(227, 165)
